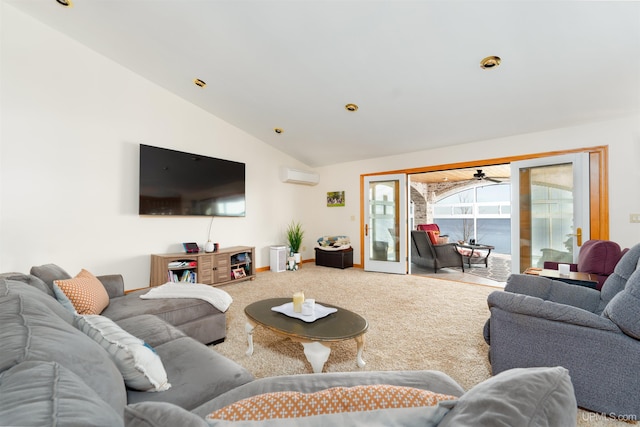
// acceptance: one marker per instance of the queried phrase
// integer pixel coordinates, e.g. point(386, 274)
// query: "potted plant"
point(294, 237)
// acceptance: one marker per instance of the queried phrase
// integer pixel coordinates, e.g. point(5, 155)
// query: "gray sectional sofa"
point(196, 318)
point(58, 368)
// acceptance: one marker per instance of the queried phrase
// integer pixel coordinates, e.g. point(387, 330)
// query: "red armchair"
point(597, 257)
point(433, 231)
point(428, 227)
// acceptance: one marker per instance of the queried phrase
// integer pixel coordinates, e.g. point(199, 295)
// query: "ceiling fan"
point(479, 175)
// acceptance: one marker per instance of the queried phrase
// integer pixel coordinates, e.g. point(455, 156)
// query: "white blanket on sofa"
point(214, 296)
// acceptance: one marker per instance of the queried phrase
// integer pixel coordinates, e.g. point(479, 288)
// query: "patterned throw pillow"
point(290, 404)
point(86, 293)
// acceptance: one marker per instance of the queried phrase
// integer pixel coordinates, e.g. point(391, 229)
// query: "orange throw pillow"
point(86, 293)
point(291, 404)
point(433, 236)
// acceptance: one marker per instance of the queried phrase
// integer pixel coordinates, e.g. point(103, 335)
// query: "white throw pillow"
point(138, 363)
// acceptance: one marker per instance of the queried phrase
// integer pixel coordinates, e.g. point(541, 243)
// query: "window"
point(482, 213)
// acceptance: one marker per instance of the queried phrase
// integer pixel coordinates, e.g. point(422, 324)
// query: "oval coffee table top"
point(338, 326)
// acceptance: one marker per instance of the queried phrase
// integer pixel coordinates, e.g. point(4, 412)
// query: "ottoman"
point(339, 259)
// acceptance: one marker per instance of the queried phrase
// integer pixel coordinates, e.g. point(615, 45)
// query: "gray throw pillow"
point(533, 397)
point(48, 273)
point(46, 393)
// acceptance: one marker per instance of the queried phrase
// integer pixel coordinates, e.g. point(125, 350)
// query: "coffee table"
point(316, 337)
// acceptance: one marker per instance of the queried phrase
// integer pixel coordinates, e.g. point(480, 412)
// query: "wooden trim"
point(362, 208)
point(598, 191)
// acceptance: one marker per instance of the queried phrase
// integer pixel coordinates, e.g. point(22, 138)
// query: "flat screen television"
point(178, 183)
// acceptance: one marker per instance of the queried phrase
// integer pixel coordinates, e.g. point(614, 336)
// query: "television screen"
point(177, 183)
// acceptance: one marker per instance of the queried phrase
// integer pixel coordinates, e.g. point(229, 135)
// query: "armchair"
point(426, 254)
point(598, 257)
point(537, 321)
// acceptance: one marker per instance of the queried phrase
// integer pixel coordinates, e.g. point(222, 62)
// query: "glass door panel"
point(385, 224)
point(550, 210)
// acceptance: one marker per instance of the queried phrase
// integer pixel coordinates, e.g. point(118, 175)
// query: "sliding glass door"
point(550, 209)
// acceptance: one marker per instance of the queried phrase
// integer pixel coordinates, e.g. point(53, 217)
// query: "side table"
point(475, 253)
point(574, 278)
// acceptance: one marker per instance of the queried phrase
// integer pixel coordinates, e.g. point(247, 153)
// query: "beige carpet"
point(414, 323)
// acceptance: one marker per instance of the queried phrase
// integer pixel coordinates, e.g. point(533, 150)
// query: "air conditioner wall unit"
point(296, 176)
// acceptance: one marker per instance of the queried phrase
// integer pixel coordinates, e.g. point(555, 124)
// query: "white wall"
point(71, 124)
point(622, 135)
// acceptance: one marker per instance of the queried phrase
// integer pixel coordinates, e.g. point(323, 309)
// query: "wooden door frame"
point(598, 184)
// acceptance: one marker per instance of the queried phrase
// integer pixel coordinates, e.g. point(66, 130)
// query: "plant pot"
point(296, 257)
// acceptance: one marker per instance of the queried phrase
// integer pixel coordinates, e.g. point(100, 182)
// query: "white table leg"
point(360, 344)
point(317, 354)
point(249, 327)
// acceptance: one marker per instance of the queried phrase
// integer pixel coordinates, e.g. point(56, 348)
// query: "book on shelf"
point(187, 276)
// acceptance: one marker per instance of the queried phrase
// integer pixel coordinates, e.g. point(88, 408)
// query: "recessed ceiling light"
point(199, 82)
point(65, 3)
point(490, 62)
point(351, 107)
point(278, 130)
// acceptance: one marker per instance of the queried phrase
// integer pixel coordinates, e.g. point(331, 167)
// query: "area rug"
point(498, 269)
point(415, 322)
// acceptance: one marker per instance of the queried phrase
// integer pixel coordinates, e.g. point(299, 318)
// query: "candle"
point(298, 299)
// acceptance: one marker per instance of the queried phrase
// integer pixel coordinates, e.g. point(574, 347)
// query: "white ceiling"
point(411, 66)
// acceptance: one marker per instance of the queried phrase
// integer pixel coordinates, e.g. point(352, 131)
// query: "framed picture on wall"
point(335, 198)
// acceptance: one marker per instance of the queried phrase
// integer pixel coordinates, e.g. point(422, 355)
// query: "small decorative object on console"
point(191, 248)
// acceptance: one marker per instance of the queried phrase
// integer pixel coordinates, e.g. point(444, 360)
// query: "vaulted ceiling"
point(412, 67)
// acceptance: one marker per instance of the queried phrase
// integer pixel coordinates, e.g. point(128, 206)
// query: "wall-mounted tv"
point(178, 183)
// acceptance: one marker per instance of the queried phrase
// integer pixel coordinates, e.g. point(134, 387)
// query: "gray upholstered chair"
point(537, 321)
point(425, 254)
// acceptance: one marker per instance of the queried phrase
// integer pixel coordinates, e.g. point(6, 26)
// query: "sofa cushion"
point(175, 311)
point(215, 374)
point(291, 404)
point(160, 414)
point(14, 287)
point(48, 273)
point(150, 329)
point(518, 397)
point(139, 363)
point(624, 308)
point(33, 332)
point(31, 280)
point(86, 292)
point(46, 393)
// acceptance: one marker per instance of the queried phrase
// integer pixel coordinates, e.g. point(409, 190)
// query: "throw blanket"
point(216, 297)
